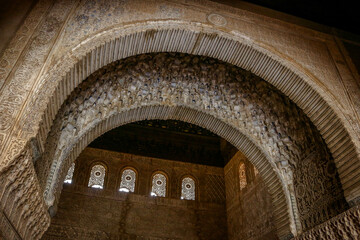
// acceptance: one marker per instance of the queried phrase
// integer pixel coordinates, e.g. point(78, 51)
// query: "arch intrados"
point(282, 205)
point(204, 40)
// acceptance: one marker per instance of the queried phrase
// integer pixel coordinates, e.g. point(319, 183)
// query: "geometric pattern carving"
point(215, 188)
point(188, 189)
point(231, 183)
point(97, 176)
point(128, 178)
point(158, 187)
point(344, 226)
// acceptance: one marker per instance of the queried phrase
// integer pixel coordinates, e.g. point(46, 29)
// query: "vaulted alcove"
point(233, 103)
point(282, 91)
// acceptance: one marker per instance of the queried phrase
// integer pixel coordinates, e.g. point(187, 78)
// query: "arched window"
point(97, 176)
point(128, 178)
point(158, 185)
point(188, 189)
point(242, 176)
point(70, 173)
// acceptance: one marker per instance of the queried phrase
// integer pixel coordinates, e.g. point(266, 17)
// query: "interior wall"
point(87, 213)
point(249, 210)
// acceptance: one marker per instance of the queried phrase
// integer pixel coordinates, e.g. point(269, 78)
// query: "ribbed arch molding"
point(282, 205)
point(197, 39)
point(235, 52)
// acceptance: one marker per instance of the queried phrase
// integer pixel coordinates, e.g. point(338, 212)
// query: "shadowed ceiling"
point(170, 139)
point(336, 14)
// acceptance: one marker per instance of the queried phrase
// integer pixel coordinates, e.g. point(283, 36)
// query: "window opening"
point(128, 178)
point(70, 173)
point(242, 176)
point(97, 176)
point(158, 185)
point(188, 189)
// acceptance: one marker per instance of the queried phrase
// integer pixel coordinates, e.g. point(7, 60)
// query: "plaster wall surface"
point(86, 213)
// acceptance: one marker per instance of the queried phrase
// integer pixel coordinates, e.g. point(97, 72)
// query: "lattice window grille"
point(158, 185)
point(188, 189)
point(128, 178)
point(215, 187)
point(242, 176)
point(70, 173)
point(97, 177)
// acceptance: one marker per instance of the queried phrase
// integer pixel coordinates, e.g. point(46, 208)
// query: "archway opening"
point(267, 127)
point(171, 170)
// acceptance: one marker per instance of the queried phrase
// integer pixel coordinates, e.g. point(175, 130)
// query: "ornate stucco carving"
point(15, 47)
point(22, 78)
point(280, 66)
point(199, 39)
point(21, 200)
point(344, 226)
point(298, 51)
point(235, 96)
point(281, 198)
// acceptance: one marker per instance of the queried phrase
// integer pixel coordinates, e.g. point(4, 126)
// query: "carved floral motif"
point(15, 90)
point(14, 49)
